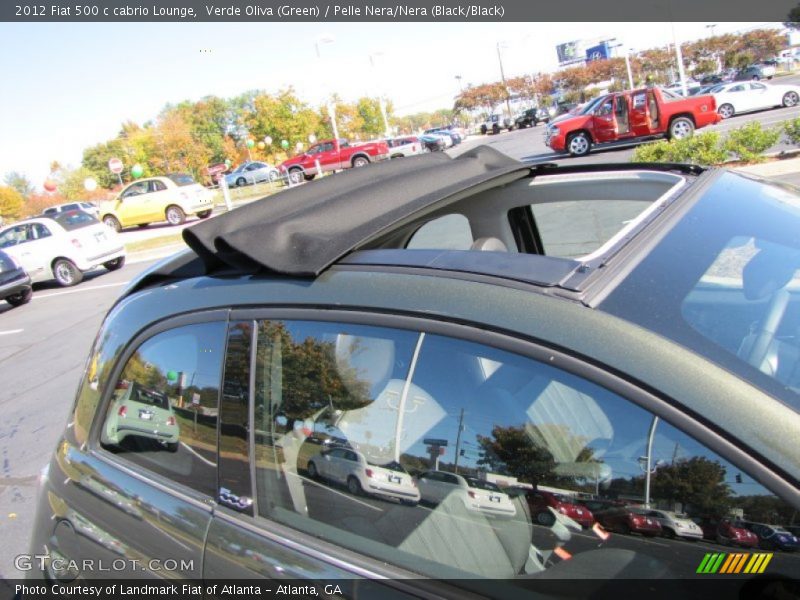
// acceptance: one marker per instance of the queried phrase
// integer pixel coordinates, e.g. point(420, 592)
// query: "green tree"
point(697, 481)
point(11, 203)
point(512, 450)
point(19, 182)
point(369, 110)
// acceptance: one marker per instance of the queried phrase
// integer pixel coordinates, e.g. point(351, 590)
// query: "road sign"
point(434, 442)
point(115, 165)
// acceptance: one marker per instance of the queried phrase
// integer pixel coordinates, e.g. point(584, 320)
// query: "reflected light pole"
point(331, 107)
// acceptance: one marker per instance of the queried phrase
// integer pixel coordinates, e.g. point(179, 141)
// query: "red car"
point(726, 531)
point(634, 115)
point(627, 519)
point(539, 501)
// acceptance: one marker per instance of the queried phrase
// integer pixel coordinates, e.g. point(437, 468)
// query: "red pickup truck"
point(623, 117)
point(332, 155)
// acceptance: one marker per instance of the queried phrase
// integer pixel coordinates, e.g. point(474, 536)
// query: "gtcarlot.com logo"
point(742, 562)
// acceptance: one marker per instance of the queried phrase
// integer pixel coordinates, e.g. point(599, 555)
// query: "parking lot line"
point(81, 289)
point(10, 331)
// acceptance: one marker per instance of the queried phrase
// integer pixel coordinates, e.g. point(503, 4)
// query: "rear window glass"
point(147, 396)
point(6, 264)
point(181, 179)
point(74, 219)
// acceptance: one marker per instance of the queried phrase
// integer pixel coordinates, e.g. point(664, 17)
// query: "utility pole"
point(503, 78)
point(458, 438)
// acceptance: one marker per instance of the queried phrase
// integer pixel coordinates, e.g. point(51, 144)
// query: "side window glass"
point(505, 428)
point(39, 231)
point(162, 415)
point(157, 186)
point(451, 232)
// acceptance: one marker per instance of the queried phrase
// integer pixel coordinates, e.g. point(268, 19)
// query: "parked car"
point(476, 494)
point(712, 79)
point(552, 324)
point(376, 477)
point(744, 96)
point(624, 117)
point(252, 172)
point(726, 531)
point(453, 135)
point(627, 519)
point(15, 285)
point(146, 201)
point(541, 501)
point(676, 525)
point(531, 117)
point(85, 206)
point(332, 155)
point(62, 247)
point(433, 143)
point(755, 72)
point(142, 413)
point(773, 537)
point(405, 146)
point(496, 122)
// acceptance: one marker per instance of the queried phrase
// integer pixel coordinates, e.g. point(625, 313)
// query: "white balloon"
point(268, 140)
point(299, 146)
point(312, 138)
point(89, 184)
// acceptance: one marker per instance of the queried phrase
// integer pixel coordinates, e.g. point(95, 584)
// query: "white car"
point(62, 247)
point(405, 146)
point(252, 172)
point(89, 207)
point(676, 525)
point(476, 494)
point(743, 96)
point(377, 478)
point(494, 123)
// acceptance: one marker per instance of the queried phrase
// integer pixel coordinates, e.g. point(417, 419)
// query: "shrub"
point(792, 131)
point(703, 148)
point(750, 141)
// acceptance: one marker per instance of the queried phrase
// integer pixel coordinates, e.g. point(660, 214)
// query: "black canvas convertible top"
point(304, 230)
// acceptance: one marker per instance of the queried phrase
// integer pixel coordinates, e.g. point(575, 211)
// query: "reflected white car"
point(676, 525)
point(62, 246)
point(360, 475)
point(476, 494)
point(743, 96)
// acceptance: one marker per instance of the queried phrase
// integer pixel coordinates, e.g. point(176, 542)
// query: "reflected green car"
point(143, 413)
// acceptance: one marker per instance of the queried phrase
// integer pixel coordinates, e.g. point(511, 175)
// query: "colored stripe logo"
point(735, 563)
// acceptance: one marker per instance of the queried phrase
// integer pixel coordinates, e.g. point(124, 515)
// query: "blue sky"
point(69, 86)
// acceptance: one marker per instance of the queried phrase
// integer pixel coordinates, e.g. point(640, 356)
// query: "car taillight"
point(472, 494)
point(76, 243)
point(369, 473)
point(123, 411)
point(637, 520)
point(170, 421)
point(562, 510)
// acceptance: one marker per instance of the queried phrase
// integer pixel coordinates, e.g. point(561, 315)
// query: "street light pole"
point(331, 108)
point(381, 99)
point(679, 56)
point(503, 78)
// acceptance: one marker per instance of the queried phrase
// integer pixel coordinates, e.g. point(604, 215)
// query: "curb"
point(789, 162)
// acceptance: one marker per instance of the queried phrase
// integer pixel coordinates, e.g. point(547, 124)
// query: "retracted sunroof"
point(304, 230)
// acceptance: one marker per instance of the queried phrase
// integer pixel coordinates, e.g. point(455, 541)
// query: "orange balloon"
point(50, 185)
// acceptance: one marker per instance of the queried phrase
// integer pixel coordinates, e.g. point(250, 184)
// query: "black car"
point(531, 117)
point(15, 285)
point(615, 330)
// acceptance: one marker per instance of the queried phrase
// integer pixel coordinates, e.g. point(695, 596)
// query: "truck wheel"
point(681, 128)
point(726, 111)
point(579, 144)
point(360, 161)
point(495, 129)
point(483, 130)
point(296, 176)
point(790, 99)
